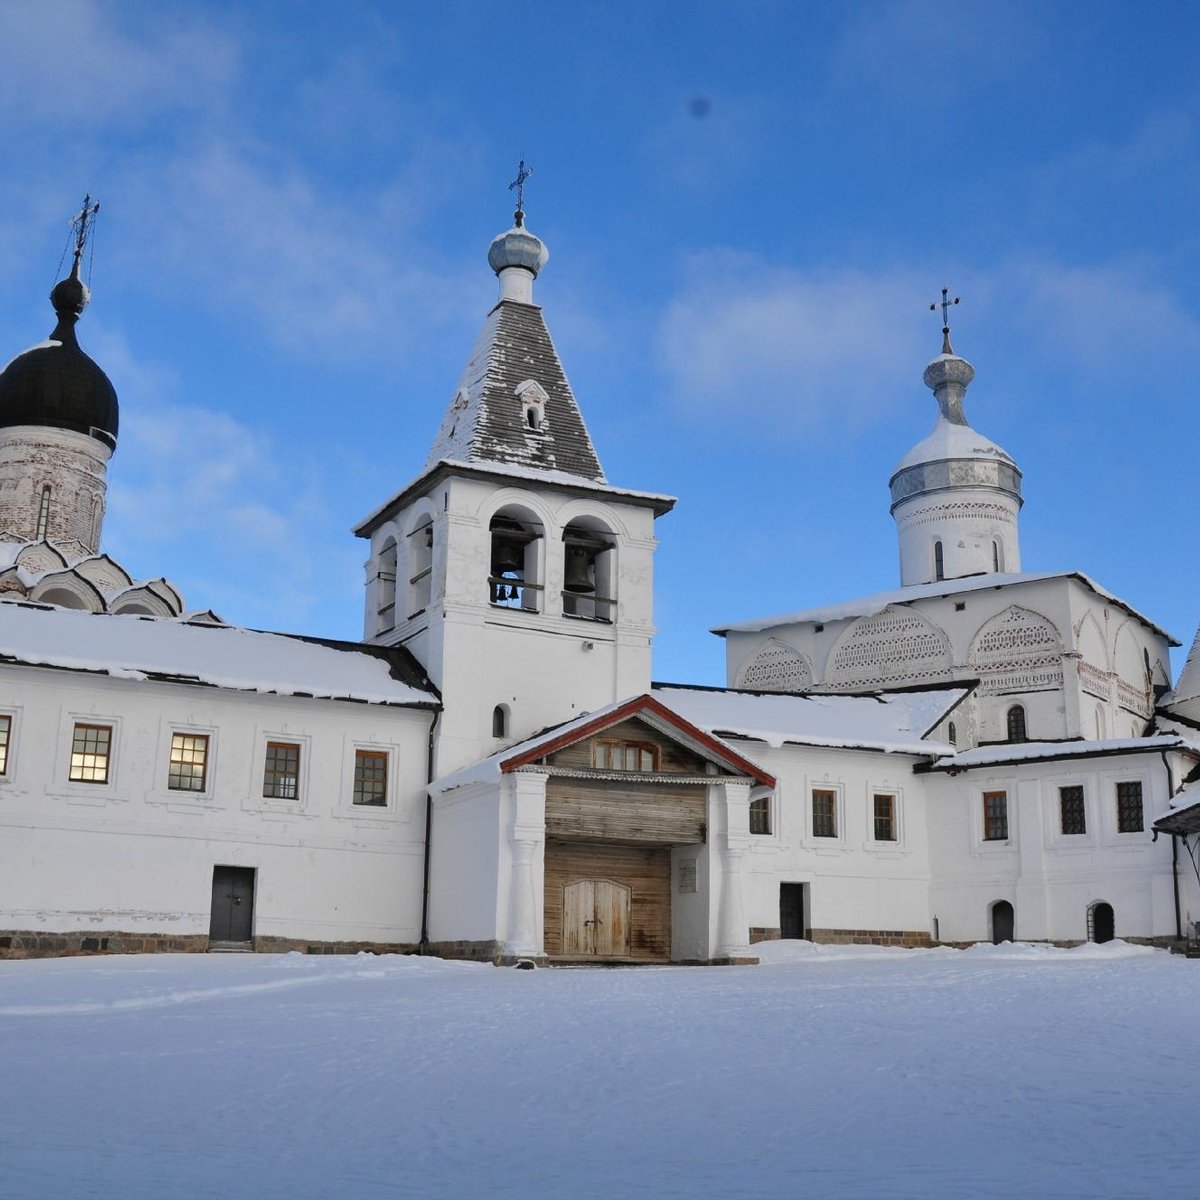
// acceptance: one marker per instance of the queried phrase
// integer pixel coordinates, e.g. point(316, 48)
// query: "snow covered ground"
point(998, 1071)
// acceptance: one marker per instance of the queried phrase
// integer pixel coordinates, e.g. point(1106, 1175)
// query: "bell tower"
point(519, 577)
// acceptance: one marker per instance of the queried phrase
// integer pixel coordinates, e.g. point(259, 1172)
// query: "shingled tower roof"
point(513, 404)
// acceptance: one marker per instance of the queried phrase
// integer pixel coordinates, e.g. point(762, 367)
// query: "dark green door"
point(232, 904)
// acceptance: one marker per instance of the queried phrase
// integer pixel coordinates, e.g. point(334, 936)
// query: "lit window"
point(1129, 807)
point(1070, 803)
point(760, 815)
point(5, 731)
point(995, 816)
point(281, 775)
point(189, 760)
point(624, 756)
point(370, 777)
point(1016, 724)
point(90, 753)
point(824, 813)
point(885, 817)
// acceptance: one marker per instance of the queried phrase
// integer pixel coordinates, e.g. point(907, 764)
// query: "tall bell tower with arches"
point(519, 577)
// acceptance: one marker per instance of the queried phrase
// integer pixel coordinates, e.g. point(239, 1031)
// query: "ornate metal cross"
point(82, 221)
point(523, 173)
point(946, 305)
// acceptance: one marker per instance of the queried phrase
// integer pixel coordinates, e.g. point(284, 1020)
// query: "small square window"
point(90, 748)
point(281, 774)
point(885, 817)
point(189, 762)
point(1071, 809)
point(1129, 807)
point(370, 777)
point(995, 816)
point(824, 813)
point(760, 815)
point(5, 733)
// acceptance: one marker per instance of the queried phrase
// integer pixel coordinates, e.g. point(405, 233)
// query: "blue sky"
point(290, 269)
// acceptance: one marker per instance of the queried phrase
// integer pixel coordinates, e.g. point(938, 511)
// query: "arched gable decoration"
point(1133, 674)
point(1095, 677)
point(1017, 651)
point(897, 645)
point(68, 589)
point(776, 667)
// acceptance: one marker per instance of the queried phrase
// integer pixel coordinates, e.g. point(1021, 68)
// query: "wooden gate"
point(596, 918)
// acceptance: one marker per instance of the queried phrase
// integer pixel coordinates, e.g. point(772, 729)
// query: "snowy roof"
point(485, 421)
point(896, 722)
point(132, 647)
point(865, 606)
point(950, 440)
point(650, 708)
point(1018, 752)
point(561, 479)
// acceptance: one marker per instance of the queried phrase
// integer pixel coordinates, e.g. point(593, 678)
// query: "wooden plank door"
point(610, 927)
point(579, 914)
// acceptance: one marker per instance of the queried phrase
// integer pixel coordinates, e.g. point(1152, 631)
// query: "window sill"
point(184, 801)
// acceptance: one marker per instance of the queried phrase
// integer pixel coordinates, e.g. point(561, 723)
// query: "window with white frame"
point(281, 771)
point(884, 813)
point(187, 767)
point(91, 750)
point(370, 777)
point(760, 815)
point(824, 813)
point(995, 816)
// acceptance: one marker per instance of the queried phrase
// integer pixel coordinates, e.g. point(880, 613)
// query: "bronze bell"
point(507, 558)
point(578, 574)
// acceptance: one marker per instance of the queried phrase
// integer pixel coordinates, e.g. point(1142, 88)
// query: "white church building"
point(979, 754)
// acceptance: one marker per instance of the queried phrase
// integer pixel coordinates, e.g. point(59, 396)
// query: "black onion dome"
point(56, 384)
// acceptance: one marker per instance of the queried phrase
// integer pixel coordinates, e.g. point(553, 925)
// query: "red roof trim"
point(631, 708)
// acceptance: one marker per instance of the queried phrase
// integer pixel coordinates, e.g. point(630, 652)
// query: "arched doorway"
point(1101, 922)
point(1003, 922)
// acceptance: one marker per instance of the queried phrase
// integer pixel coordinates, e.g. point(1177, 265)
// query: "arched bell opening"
point(420, 567)
point(385, 586)
point(515, 573)
point(589, 571)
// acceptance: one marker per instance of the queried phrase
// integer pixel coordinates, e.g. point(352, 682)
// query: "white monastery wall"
point(326, 868)
point(1050, 878)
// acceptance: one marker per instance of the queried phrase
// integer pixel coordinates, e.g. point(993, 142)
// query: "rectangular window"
point(1070, 803)
point(760, 815)
point(1129, 807)
point(885, 817)
point(5, 731)
point(824, 813)
point(281, 775)
point(370, 777)
point(189, 760)
point(624, 756)
point(995, 816)
point(90, 749)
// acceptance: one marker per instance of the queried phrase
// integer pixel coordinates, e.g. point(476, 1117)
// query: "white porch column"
point(733, 940)
point(527, 845)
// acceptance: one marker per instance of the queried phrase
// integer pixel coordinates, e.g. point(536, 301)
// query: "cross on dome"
point(523, 173)
point(946, 304)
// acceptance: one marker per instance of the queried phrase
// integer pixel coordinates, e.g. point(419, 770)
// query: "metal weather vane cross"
point(523, 173)
point(945, 305)
point(81, 222)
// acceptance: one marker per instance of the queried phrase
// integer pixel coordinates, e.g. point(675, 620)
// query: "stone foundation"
point(25, 944)
point(851, 937)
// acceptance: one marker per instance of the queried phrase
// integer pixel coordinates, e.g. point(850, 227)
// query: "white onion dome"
point(517, 247)
point(953, 455)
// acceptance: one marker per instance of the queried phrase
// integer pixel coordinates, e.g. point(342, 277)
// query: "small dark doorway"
point(232, 905)
point(793, 921)
point(1003, 922)
point(1101, 922)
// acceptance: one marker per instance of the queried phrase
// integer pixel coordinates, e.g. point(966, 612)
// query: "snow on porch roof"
point(866, 606)
point(894, 722)
point(1018, 752)
point(648, 708)
point(174, 651)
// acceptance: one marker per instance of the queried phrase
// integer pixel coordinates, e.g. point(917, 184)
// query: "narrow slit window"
point(939, 566)
point(499, 722)
point(43, 518)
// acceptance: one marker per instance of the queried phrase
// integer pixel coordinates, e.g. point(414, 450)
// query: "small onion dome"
point(518, 248)
point(55, 384)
